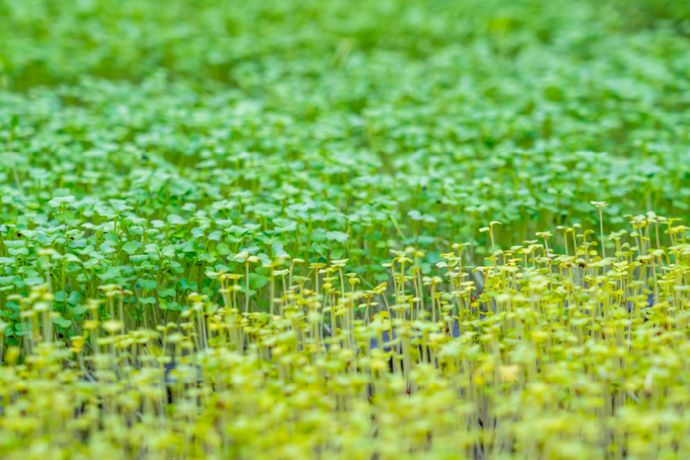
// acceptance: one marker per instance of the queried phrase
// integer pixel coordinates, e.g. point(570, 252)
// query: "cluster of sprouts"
point(534, 354)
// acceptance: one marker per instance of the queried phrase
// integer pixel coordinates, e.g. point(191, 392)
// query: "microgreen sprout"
point(600, 205)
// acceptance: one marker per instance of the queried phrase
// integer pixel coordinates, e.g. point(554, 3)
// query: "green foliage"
point(187, 180)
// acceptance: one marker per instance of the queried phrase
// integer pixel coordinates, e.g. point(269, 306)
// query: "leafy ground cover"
point(344, 229)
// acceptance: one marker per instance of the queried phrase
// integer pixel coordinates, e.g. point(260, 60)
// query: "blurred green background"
point(343, 128)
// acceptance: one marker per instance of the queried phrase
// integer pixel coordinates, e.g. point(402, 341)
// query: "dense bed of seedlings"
point(529, 89)
point(148, 190)
point(199, 204)
point(148, 147)
point(532, 354)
